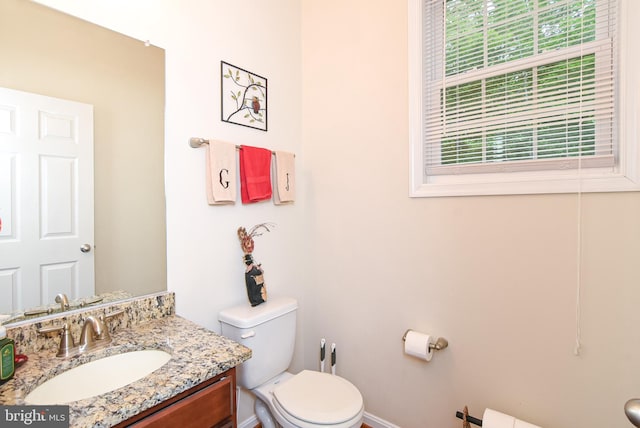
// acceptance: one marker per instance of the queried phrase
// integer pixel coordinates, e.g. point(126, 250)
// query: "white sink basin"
point(98, 377)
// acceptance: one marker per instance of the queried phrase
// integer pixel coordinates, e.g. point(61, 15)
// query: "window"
point(519, 96)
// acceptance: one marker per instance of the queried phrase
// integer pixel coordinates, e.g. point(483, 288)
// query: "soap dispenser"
point(7, 356)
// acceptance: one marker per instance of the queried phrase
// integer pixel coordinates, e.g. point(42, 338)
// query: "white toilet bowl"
point(310, 400)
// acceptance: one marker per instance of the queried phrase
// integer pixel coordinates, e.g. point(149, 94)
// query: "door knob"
point(85, 248)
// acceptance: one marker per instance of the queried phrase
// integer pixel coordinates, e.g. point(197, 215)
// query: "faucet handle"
point(53, 329)
point(110, 315)
point(67, 345)
point(104, 320)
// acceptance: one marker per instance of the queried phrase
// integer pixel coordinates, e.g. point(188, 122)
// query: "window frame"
point(625, 176)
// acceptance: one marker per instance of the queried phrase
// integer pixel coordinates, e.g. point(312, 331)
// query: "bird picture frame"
point(244, 97)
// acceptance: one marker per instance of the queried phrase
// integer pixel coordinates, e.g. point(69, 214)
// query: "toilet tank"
point(269, 330)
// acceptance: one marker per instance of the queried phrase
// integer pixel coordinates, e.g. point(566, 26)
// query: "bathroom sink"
point(98, 377)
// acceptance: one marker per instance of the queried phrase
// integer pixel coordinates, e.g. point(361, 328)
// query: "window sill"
point(525, 184)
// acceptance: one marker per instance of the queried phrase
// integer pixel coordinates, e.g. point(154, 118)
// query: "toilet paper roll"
point(523, 424)
point(495, 419)
point(417, 345)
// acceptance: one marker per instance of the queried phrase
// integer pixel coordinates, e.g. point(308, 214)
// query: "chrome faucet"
point(94, 335)
point(63, 300)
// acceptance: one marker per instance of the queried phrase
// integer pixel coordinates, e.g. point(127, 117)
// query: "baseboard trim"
point(375, 422)
point(370, 420)
point(249, 423)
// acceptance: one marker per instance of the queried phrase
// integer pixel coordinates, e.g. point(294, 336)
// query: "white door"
point(46, 200)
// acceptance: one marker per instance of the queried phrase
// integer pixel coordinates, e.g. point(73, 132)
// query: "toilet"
point(309, 399)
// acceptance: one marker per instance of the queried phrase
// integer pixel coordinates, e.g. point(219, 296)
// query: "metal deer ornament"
point(253, 275)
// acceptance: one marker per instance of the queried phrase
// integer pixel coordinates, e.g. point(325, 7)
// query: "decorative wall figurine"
point(254, 275)
point(244, 97)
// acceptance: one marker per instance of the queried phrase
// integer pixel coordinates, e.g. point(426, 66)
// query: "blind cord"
point(577, 348)
point(444, 66)
point(578, 344)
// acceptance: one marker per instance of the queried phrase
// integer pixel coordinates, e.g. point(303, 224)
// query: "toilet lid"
point(319, 398)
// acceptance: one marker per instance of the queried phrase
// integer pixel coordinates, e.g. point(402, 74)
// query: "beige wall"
point(496, 276)
point(46, 52)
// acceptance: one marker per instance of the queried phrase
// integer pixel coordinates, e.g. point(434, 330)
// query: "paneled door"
point(46, 200)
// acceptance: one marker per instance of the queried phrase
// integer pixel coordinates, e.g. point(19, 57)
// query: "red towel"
point(255, 174)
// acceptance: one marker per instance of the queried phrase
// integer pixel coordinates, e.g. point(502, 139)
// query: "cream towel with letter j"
point(285, 177)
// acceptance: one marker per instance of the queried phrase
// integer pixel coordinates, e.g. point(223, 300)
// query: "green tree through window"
point(518, 82)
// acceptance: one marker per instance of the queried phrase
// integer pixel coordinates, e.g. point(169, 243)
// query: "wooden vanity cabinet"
point(207, 405)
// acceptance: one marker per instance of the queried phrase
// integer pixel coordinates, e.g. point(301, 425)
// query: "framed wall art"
point(244, 97)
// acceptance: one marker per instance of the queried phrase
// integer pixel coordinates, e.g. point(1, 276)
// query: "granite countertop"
point(197, 354)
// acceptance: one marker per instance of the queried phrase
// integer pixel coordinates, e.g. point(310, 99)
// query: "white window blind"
point(518, 85)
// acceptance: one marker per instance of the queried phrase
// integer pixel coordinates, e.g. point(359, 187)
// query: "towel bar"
point(196, 142)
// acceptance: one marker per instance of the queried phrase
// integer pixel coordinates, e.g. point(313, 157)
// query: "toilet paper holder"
point(440, 344)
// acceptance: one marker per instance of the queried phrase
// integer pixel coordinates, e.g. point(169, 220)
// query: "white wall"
point(204, 258)
point(494, 275)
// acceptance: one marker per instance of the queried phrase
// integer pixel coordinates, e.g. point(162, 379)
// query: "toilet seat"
point(312, 399)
